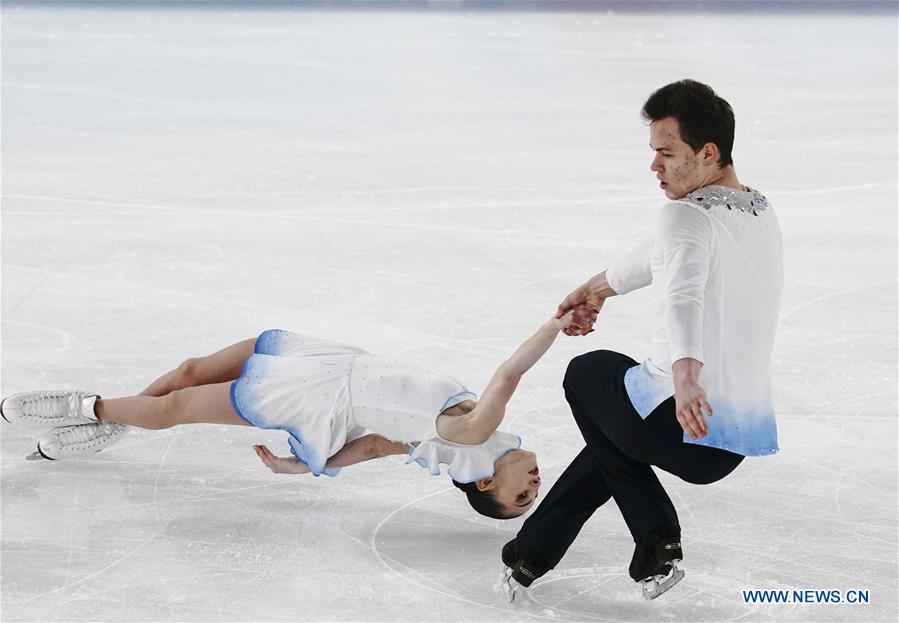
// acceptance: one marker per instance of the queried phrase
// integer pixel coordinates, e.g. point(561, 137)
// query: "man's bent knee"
point(586, 367)
point(706, 475)
point(701, 479)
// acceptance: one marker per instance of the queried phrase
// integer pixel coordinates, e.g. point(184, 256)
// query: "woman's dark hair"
point(701, 115)
point(482, 501)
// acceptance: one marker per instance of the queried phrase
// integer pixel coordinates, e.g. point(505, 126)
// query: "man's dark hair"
point(482, 501)
point(702, 116)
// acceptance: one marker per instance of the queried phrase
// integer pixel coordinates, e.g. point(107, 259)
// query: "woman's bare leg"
point(209, 403)
point(218, 367)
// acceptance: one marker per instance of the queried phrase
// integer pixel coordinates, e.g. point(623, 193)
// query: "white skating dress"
point(326, 394)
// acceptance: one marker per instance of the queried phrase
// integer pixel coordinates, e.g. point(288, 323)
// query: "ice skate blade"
point(37, 456)
point(661, 584)
point(508, 584)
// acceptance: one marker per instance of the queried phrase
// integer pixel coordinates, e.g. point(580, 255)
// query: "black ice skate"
point(657, 569)
point(518, 572)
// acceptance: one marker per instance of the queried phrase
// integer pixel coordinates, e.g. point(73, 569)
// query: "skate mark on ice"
point(148, 290)
point(575, 274)
point(21, 300)
point(842, 403)
point(384, 558)
point(184, 560)
point(111, 204)
point(272, 214)
point(64, 336)
point(842, 340)
point(279, 490)
point(72, 534)
point(818, 190)
point(156, 480)
point(50, 494)
point(587, 202)
point(600, 579)
point(163, 580)
point(857, 479)
point(824, 297)
point(770, 514)
point(533, 593)
point(680, 502)
point(545, 406)
point(798, 572)
point(442, 228)
point(398, 190)
point(103, 569)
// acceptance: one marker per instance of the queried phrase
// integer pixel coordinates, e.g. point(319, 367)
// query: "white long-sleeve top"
point(716, 263)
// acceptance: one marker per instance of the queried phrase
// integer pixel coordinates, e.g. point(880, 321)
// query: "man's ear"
point(710, 154)
point(484, 484)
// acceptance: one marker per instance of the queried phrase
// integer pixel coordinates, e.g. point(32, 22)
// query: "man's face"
point(676, 165)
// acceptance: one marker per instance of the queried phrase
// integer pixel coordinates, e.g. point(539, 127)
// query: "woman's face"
point(515, 481)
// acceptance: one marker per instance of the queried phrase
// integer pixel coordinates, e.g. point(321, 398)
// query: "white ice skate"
point(509, 585)
point(656, 585)
point(46, 409)
point(66, 442)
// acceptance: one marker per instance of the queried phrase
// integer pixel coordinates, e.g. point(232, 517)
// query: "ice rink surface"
point(427, 185)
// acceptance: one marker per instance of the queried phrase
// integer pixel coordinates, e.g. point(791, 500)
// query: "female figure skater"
point(340, 404)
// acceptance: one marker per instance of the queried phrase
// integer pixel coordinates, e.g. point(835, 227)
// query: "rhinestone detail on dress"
point(751, 201)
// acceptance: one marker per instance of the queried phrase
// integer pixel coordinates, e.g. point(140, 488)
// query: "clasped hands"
point(580, 309)
point(577, 315)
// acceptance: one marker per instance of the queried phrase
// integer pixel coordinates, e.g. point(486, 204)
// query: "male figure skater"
point(702, 400)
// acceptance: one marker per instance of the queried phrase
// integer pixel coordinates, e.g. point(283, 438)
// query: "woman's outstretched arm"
point(359, 450)
point(477, 426)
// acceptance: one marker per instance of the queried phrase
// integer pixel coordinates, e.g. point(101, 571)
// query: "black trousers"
point(621, 447)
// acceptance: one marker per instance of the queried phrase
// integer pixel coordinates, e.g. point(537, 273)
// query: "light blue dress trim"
point(456, 398)
point(241, 401)
point(434, 469)
point(269, 342)
point(424, 464)
point(465, 480)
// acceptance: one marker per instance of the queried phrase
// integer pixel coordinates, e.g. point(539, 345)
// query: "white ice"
point(427, 185)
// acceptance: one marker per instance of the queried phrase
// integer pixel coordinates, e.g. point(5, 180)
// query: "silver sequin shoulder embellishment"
point(750, 202)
